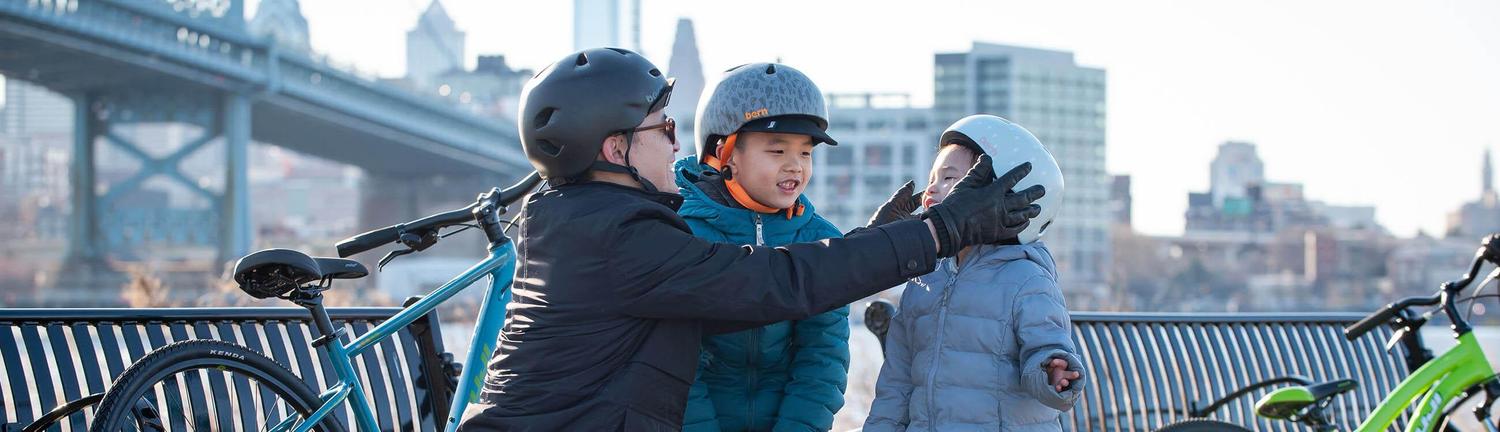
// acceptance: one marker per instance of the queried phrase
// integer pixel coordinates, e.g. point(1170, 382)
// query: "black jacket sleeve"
point(661, 271)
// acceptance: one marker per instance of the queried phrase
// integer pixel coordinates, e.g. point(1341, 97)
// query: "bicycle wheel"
point(205, 385)
point(1202, 426)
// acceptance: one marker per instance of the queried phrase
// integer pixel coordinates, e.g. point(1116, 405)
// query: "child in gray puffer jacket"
point(984, 342)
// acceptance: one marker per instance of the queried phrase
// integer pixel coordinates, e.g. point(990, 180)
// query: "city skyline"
point(1251, 234)
point(1366, 155)
point(1172, 99)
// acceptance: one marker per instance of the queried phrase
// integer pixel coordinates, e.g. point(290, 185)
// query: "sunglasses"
point(669, 127)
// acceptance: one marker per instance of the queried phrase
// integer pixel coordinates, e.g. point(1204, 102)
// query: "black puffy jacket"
point(613, 294)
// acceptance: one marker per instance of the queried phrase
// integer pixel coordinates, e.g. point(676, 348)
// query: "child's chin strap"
point(720, 160)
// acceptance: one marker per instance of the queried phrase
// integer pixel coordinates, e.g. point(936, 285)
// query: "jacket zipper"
point(760, 236)
point(938, 354)
point(751, 350)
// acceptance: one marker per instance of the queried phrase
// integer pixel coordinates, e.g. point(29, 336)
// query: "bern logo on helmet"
point(752, 115)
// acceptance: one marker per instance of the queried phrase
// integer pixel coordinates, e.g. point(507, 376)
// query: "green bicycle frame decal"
point(1439, 382)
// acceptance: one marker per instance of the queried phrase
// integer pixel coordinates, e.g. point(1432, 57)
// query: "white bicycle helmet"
point(1010, 145)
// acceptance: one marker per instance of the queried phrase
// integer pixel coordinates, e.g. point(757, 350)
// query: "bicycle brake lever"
point(391, 256)
point(1396, 337)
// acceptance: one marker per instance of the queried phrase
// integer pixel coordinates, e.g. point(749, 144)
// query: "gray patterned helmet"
point(758, 91)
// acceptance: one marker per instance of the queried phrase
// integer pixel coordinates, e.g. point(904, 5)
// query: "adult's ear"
point(613, 150)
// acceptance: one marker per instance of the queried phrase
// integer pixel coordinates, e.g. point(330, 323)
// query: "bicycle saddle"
point(1289, 401)
point(274, 272)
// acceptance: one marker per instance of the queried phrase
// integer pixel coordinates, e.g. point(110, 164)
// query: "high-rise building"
point(688, 70)
point(1234, 170)
point(632, 25)
point(607, 23)
point(434, 47)
point(1236, 194)
point(1488, 176)
point(33, 111)
point(1062, 103)
point(883, 142)
point(35, 153)
point(282, 22)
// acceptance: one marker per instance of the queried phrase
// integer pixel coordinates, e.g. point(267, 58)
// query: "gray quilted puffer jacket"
point(966, 348)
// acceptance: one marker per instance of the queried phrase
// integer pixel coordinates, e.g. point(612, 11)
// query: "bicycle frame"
point(1438, 382)
point(500, 267)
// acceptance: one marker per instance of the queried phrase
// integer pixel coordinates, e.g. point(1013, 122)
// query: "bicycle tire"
point(1200, 425)
point(117, 411)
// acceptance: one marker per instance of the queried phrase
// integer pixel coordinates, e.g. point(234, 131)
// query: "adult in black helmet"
point(593, 100)
point(613, 293)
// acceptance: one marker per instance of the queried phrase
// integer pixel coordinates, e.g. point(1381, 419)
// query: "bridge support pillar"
point(108, 221)
point(84, 241)
point(234, 214)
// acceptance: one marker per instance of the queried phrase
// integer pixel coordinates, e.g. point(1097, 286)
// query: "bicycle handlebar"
point(369, 240)
point(383, 236)
point(516, 191)
point(1386, 314)
point(1377, 319)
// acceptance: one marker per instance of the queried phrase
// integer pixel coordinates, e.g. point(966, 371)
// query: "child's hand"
point(1059, 375)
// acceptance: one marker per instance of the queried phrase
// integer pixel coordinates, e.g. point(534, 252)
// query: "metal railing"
point(49, 357)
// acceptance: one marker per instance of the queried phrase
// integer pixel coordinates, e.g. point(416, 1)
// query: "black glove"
point(984, 210)
point(899, 207)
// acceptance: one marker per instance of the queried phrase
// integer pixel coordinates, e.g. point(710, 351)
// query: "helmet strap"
point(720, 159)
point(626, 168)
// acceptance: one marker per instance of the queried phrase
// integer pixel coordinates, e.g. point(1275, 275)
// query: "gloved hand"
point(984, 210)
point(899, 207)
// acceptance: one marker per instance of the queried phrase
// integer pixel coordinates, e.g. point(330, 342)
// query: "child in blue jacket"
point(756, 130)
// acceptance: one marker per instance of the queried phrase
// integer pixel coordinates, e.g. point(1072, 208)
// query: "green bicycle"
point(1438, 386)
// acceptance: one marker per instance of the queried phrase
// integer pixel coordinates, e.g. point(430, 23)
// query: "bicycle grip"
point(1377, 319)
point(370, 240)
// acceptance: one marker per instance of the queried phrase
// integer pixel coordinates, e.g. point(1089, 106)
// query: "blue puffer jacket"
point(787, 376)
point(966, 348)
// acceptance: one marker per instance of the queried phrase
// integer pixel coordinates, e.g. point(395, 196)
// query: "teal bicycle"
point(1437, 388)
point(275, 398)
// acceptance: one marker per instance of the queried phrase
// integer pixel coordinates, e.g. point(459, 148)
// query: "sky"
point(1378, 103)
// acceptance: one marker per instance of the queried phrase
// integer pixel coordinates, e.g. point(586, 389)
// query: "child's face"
point(772, 167)
point(952, 162)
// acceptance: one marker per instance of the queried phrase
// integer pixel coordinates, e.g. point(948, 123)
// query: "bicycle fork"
point(1491, 393)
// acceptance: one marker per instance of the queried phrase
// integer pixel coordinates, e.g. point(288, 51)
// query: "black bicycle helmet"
point(570, 107)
